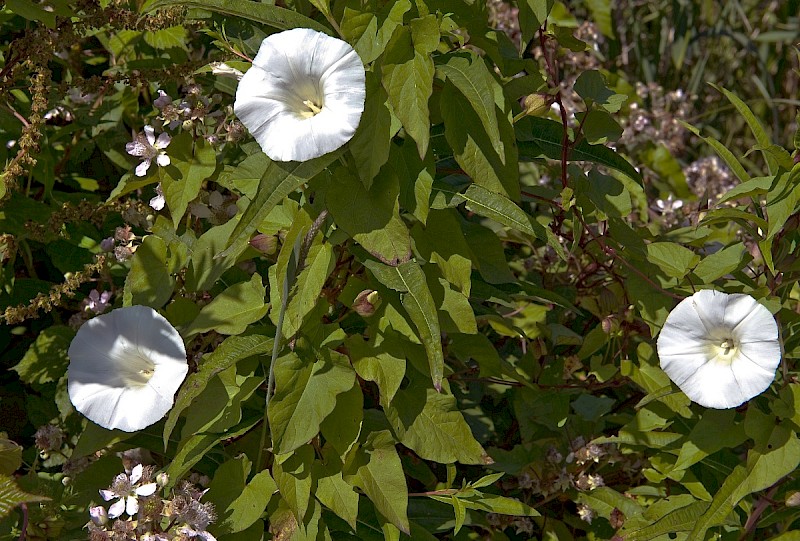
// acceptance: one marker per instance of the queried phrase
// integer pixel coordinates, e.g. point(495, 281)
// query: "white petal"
point(149, 132)
point(117, 508)
point(141, 169)
point(163, 160)
point(131, 505)
point(136, 473)
point(158, 202)
point(107, 494)
point(753, 379)
point(766, 355)
point(147, 490)
point(107, 359)
point(135, 148)
point(714, 385)
point(750, 321)
point(163, 141)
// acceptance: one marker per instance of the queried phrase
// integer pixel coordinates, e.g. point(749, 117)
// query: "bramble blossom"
point(147, 147)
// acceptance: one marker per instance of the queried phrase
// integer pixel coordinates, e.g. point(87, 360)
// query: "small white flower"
point(127, 490)
point(125, 367)
point(147, 147)
point(303, 96)
point(720, 349)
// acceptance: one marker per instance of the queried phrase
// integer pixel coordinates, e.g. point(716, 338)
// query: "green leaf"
point(408, 80)
point(305, 393)
point(46, 359)
point(762, 139)
point(149, 282)
point(409, 280)
point(371, 143)
point(370, 31)
point(335, 493)
point(468, 73)
point(232, 350)
point(10, 456)
point(232, 310)
point(783, 200)
point(11, 496)
point(442, 242)
point(279, 180)
point(293, 474)
point(268, 14)
point(725, 261)
point(599, 127)
point(591, 86)
point(493, 503)
point(371, 217)
point(762, 471)
point(682, 519)
point(165, 38)
point(545, 137)
point(430, 423)
point(377, 471)
point(382, 361)
point(674, 259)
point(204, 267)
point(247, 508)
point(415, 178)
point(192, 162)
point(748, 188)
point(532, 15)
point(343, 425)
point(190, 451)
point(474, 150)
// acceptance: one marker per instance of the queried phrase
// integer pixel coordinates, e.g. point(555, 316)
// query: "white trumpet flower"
point(125, 367)
point(303, 96)
point(720, 349)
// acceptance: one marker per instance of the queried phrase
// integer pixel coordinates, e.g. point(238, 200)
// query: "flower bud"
point(223, 69)
point(610, 324)
point(793, 499)
point(99, 515)
point(367, 302)
point(162, 479)
point(536, 104)
point(266, 244)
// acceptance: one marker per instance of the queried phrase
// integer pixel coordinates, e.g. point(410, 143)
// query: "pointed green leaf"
point(293, 475)
point(409, 280)
point(544, 139)
point(468, 72)
point(474, 149)
point(192, 162)
point(408, 80)
point(279, 180)
point(371, 143)
point(371, 217)
point(232, 310)
point(46, 359)
point(149, 281)
point(335, 493)
point(228, 353)
point(247, 508)
point(204, 268)
point(305, 393)
point(379, 473)
point(430, 423)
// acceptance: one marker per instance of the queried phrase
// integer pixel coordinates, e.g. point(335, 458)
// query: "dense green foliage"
point(453, 316)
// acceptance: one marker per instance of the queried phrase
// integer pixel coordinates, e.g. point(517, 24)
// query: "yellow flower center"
point(313, 109)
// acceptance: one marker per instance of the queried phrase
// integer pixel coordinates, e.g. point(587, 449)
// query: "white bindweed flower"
point(720, 349)
point(303, 96)
point(147, 147)
point(125, 367)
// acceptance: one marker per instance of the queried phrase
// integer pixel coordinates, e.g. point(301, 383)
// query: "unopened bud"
point(793, 499)
point(162, 479)
point(536, 104)
point(610, 324)
point(266, 244)
point(367, 302)
point(99, 515)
